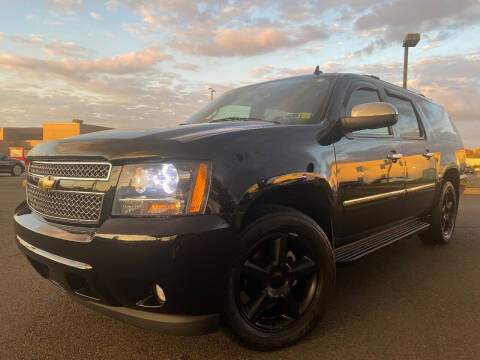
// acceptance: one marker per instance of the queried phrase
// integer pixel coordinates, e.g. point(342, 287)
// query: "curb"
point(472, 191)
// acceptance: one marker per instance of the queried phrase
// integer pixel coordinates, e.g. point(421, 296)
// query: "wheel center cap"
point(277, 279)
point(278, 282)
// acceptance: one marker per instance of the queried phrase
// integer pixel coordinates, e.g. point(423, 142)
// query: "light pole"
point(411, 40)
point(212, 91)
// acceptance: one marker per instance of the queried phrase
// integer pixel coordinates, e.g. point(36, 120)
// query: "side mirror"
point(370, 116)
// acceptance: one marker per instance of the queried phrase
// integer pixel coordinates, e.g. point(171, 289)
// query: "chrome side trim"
point(365, 199)
point(131, 237)
point(53, 257)
point(74, 163)
point(421, 187)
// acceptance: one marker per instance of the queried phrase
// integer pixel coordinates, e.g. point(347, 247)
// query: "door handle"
point(428, 154)
point(394, 156)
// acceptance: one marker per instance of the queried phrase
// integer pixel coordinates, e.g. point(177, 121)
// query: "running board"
point(360, 248)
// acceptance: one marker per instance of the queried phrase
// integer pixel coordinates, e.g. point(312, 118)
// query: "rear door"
point(420, 162)
point(370, 183)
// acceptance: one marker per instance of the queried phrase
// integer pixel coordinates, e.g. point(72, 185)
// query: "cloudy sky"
point(139, 63)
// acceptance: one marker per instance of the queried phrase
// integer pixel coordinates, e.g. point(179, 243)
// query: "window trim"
point(421, 127)
point(359, 85)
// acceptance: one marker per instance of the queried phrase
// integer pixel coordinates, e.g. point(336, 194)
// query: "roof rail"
point(374, 76)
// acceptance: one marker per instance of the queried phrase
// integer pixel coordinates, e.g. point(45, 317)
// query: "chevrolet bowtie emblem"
point(46, 183)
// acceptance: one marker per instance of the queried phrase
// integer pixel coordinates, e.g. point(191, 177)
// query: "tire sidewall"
point(435, 234)
point(448, 186)
point(319, 245)
point(14, 172)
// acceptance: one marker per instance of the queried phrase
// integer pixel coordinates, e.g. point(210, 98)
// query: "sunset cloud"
point(66, 49)
point(65, 3)
point(399, 17)
point(118, 64)
point(95, 15)
point(250, 41)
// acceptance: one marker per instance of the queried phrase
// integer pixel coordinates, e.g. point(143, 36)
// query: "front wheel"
point(17, 170)
point(282, 282)
point(443, 216)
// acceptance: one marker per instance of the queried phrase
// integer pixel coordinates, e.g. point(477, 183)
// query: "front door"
point(370, 178)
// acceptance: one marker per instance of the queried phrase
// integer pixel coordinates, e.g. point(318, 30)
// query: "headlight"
point(173, 188)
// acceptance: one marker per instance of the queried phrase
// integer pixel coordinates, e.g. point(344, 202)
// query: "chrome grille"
point(71, 170)
point(73, 206)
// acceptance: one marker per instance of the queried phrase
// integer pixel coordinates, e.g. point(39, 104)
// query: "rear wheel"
point(443, 217)
point(17, 170)
point(282, 282)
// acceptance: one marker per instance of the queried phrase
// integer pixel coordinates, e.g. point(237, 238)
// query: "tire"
point(277, 305)
point(443, 216)
point(17, 170)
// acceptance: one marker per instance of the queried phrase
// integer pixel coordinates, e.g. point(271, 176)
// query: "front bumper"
point(115, 267)
point(166, 323)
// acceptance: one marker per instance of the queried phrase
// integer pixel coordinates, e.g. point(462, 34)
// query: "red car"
point(19, 153)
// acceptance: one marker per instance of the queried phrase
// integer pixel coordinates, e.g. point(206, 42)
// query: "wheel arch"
point(452, 174)
point(308, 193)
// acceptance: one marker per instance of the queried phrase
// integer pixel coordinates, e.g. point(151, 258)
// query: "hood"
point(116, 145)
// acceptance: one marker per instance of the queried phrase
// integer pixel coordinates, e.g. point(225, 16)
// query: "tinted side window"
point(363, 96)
point(407, 124)
point(436, 116)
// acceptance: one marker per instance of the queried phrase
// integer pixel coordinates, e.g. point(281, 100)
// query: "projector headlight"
point(173, 188)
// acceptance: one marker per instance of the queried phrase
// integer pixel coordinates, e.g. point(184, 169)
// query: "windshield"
point(290, 101)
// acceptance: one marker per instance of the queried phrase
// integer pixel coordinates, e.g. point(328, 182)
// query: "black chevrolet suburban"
point(243, 211)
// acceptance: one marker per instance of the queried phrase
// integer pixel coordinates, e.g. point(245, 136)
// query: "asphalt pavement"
point(407, 301)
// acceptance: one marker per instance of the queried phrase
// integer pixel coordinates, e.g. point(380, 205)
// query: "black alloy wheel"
point(449, 211)
point(282, 281)
point(277, 281)
point(443, 217)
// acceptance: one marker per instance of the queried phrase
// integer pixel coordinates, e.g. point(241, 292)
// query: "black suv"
point(243, 211)
point(10, 165)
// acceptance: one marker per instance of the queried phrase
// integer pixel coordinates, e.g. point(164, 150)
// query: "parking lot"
point(407, 301)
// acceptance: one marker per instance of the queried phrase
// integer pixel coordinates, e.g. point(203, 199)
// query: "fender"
point(261, 188)
point(442, 172)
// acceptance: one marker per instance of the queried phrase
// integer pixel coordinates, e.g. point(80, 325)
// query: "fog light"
point(160, 293)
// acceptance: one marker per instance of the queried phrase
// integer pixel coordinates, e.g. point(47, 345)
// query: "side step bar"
point(360, 248)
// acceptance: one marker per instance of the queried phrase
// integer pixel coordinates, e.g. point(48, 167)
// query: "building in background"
point(16, 141)
point(55, 131)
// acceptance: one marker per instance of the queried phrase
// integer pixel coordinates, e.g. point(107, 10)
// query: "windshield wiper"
point(237, 118)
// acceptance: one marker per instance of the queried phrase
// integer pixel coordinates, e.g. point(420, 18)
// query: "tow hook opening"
point(155, 300)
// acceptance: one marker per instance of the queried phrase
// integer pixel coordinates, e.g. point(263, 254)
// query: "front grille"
point(71, 170)
point(70, 206)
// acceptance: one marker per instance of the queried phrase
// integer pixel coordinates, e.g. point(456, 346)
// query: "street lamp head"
point(411, 40)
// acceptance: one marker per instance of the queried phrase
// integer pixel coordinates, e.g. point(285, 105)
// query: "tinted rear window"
point(436, 116)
